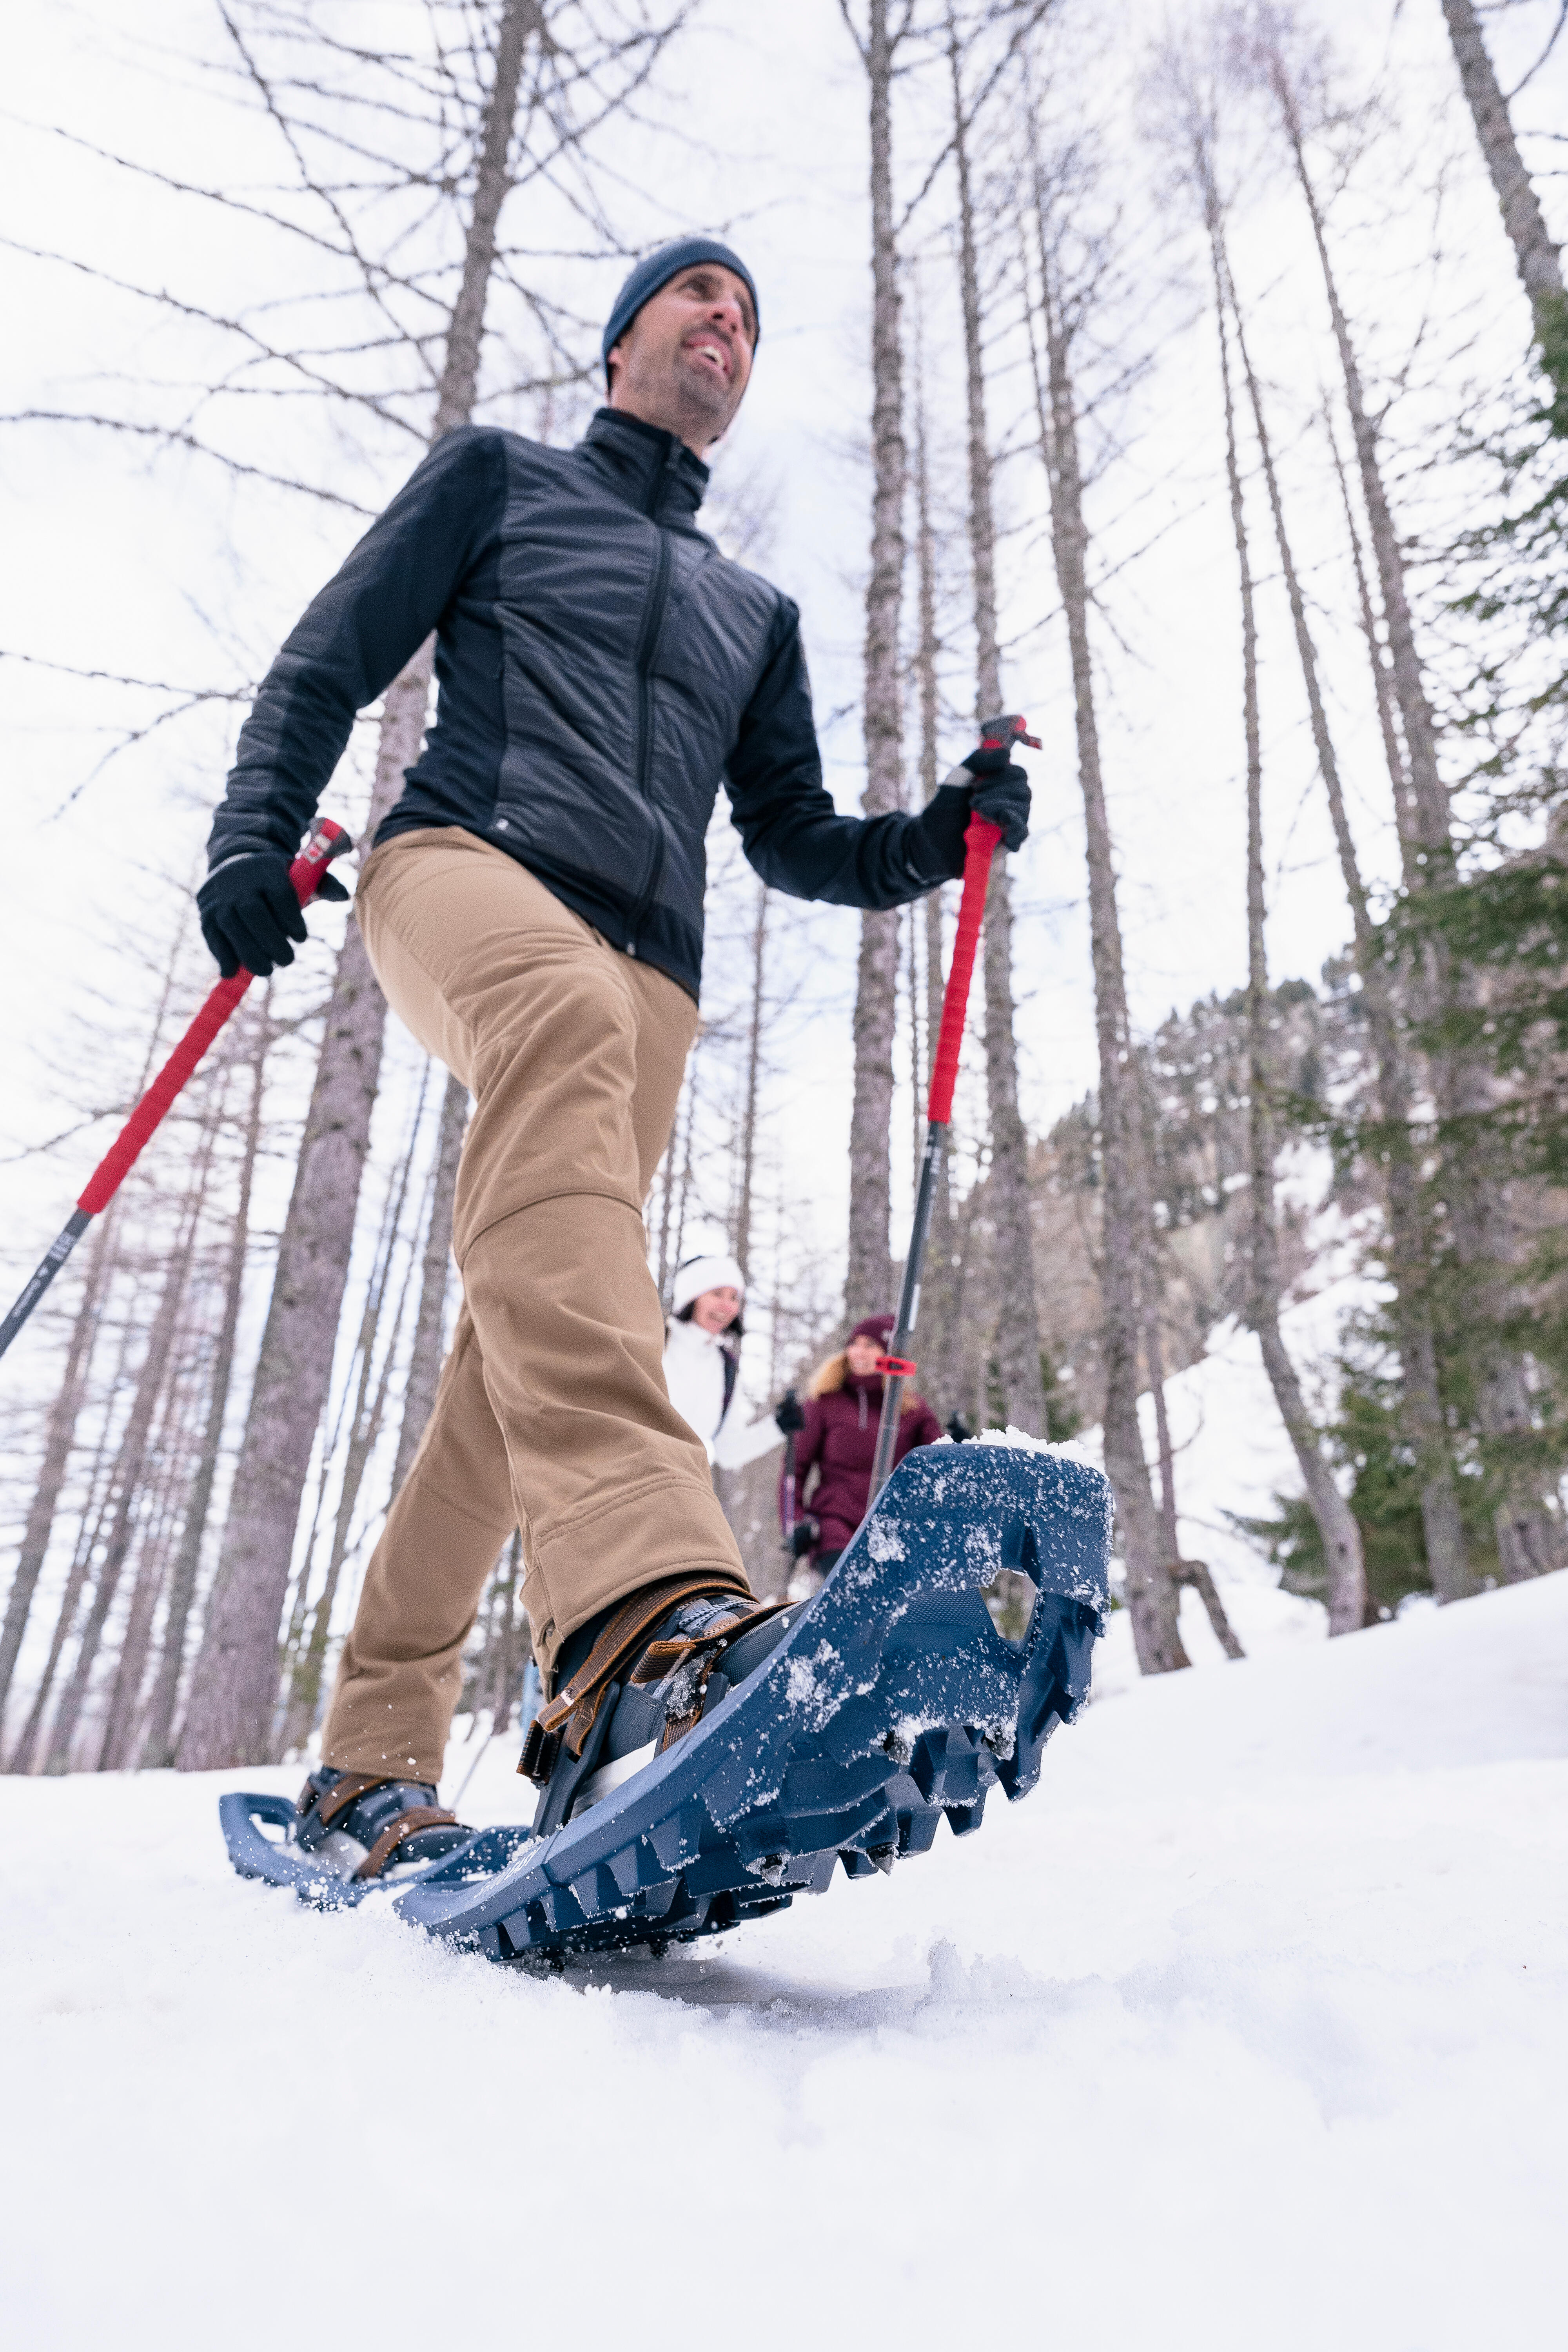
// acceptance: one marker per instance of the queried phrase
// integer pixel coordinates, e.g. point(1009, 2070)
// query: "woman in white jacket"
point(702, 1372)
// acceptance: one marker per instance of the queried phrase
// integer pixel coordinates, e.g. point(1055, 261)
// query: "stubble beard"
point(703, 403)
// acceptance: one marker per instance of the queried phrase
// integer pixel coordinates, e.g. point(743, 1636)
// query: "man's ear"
point(615, 358)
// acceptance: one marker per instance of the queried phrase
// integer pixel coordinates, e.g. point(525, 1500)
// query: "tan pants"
point(552, 1414)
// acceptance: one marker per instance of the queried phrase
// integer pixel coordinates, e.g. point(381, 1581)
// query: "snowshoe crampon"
point(892, 1700)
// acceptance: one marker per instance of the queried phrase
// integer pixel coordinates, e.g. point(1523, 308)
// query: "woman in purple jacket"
point(838, 1433)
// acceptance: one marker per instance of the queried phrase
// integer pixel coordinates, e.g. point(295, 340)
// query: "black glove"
point(958, 1429)
point(1000, 793)
point(791, 1415)
point(249, 912)
point(806, 1537)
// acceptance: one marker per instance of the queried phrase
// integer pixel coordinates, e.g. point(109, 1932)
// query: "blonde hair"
point(832, 1374)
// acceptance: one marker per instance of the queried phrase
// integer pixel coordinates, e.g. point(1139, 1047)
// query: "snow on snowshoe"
point(889, 1701)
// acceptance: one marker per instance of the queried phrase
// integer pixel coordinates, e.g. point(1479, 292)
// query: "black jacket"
point(602, 669)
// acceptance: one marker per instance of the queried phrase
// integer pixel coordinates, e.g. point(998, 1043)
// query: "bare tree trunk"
point(1409, 1257)
point(503, 1688)
point(159, 1750)
point(60, 1438)
point(1336, 1523)
point(1538, 260)
point(1196, 1573)
point(678, 1254)
point(869, 1279)
point(1152, 1596)
point(116, 1750)
point(938, 1304)
point(60, 1432)
point(163, 1454)
point(97, 1504)
point(364, 1428)
point(1193, 1572)
point(434, 1273)
point(128, 1485)
point(1018, 1322)
point(229, 1717)
point(748, 1154)
point(1381, 684)
point(1528, 1537)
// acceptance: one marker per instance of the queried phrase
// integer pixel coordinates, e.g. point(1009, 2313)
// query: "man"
point(533, 908)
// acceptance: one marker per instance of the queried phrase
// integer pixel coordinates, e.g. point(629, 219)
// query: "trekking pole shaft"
point(980, 841)
point(326, 841)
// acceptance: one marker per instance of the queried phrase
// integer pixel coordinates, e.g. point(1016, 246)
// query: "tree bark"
point(747, 1155)
point(1409, 1255)
point(159, 1750)
point(128, 1468)
point(61, 1429)
point(425, 1356)
point(1018, 1322)
point(365, 1427)
point(60, 1438)
point(1338, 1530)
point(869, 1277)
point(938, 1344)
point(1381, 684)
point(118, 1746)
point(230, 1714)
point(95, 1506)
point(1152, 1597)
point(1537, 260)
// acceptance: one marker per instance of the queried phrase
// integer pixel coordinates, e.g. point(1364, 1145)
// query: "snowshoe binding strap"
point(572, 1714)
point(322, 1806)
point(416, 1817)
point(668, 1659)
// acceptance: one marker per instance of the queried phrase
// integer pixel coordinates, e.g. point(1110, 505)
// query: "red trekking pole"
point(326, 841)
point(980, 841)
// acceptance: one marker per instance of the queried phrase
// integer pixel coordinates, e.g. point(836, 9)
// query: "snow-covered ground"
point(1249, 2029)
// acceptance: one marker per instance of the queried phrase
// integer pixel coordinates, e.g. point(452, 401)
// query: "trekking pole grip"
point(326, 841)
point(980, 840)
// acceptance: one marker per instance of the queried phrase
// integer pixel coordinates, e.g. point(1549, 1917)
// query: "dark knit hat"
point(874, 1326)
point(657, 269)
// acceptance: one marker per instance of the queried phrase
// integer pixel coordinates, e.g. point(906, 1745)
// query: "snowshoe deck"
point(892, 1701)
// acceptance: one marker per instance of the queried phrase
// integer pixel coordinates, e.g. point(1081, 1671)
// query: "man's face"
point(685, 361)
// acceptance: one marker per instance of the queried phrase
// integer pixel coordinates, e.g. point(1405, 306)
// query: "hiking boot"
point(636, 1679)
point(359, 1821)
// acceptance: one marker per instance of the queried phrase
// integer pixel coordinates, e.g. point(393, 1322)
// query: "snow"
point(1248, 2028)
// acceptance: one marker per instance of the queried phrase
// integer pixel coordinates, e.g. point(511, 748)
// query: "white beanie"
point(701, 1273)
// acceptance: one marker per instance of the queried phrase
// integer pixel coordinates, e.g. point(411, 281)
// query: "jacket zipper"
point(652, 621)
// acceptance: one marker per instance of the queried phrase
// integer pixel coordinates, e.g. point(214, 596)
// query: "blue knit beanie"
point(657, 269)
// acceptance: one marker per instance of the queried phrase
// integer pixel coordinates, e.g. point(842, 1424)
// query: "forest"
point(1193, 380)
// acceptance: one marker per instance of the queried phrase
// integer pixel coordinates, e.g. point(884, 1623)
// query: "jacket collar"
point(652, 469)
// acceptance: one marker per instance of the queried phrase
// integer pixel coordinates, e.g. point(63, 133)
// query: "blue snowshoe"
point(727, 1763)
point(349, 1833)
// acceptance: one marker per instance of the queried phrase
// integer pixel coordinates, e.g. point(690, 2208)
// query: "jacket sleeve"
point(788, 825)
point(740, 1442)
point(354, 638)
